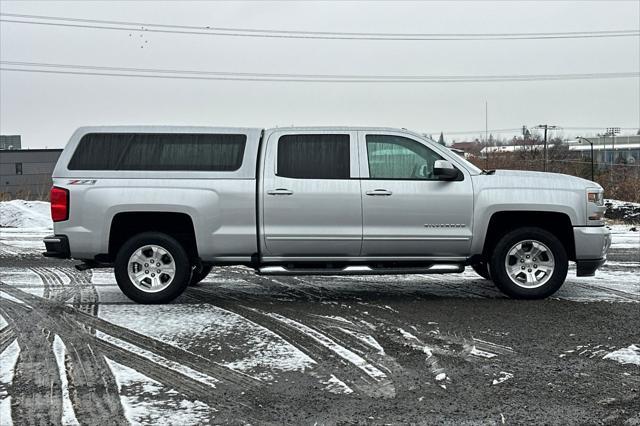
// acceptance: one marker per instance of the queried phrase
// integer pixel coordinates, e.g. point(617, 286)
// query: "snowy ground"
point(248, 349)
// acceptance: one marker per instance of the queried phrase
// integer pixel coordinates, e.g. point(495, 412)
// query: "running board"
point(363, 270)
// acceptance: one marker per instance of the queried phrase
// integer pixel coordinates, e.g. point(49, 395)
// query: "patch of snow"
point(146, 401)
point(11, 298)
point(339, 350)
point(418, 343)
point(482, 354)
point(3, 322)
point(179, 368)
point(622, 237)
point(628, 355)
point(25, 214)
point(335, 318)
point(23, 278)
point(504, 376)
point(337, 386)
point(365, 338)
point(60, 352)
point(440, 377)
point(251, 348)
point(8, 360)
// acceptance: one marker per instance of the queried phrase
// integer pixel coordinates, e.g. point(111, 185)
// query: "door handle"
point(384, 192)
point(280, 191)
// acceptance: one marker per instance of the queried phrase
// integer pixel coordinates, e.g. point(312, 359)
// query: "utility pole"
point(486, 132)
point(545, 127)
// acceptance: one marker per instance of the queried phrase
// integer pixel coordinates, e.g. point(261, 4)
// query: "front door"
point(311, 202)
point(407, 211)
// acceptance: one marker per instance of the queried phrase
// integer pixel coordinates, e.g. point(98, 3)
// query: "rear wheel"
point(152, 268)
point(482, 269)
point(529, 263)
point(199, 274)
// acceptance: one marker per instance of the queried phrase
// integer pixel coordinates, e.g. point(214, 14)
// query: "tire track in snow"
point(87, 374)
point(35, 370)
point(222, 396)
point(228, 378)
point(8, 358)
point(316, 345)
point(6, 337)
point(330, 344)
point(85, 309)
point(60, 352)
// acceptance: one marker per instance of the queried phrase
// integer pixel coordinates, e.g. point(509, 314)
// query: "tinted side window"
point(397, 157)
point(159, 151)
point(320, 156)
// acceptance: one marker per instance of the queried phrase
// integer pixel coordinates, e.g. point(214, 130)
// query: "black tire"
point(482, 269)
point(181, 276)
point(198, 275)
point(499, 270)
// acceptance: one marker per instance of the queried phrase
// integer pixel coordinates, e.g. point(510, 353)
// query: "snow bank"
point(623, 210)
point(25, 214)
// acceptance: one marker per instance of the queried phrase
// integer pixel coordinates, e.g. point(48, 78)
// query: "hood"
point(527, 179)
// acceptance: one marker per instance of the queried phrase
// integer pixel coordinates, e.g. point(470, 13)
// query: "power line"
point(299, 34)
point(39, 67)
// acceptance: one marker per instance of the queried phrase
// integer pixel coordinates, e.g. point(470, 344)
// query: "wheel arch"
point(180, 226)
point(502, 222)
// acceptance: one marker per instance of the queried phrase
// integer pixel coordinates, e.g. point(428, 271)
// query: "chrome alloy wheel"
point(529, 264)
point(151, 268)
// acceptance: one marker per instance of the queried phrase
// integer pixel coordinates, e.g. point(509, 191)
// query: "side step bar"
point(363, 270)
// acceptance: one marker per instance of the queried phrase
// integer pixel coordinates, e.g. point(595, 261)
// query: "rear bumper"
point(587, 268)
point(57, 246)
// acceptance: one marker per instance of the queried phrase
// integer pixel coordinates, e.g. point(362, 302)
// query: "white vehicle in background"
point(163, 205)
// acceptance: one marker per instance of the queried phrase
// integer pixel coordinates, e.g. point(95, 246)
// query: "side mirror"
point(444, 170)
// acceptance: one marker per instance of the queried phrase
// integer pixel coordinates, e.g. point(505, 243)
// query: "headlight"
point(595, 197)
point(595, 207)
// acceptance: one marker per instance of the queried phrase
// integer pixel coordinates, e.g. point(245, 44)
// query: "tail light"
point(59, 204)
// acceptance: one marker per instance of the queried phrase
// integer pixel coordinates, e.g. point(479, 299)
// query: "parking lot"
point(241, 348)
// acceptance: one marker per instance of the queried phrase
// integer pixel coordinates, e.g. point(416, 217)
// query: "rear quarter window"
point(159, 152)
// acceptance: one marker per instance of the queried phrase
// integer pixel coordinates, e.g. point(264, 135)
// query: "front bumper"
point(592, 244)
point(57, 246)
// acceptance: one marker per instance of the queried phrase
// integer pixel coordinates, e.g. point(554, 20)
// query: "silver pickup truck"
point(163, 205)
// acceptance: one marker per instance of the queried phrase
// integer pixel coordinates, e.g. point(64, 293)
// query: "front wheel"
point(152, 267)
point(529, 263)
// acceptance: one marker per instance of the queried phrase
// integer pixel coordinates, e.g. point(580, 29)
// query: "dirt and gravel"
point(245, 349)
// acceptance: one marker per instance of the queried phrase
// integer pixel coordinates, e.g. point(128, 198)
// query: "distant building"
point(621, 149)
point(10, 142)
point(470, 149)
point(26, 173)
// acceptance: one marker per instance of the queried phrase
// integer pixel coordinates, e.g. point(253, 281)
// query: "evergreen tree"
point(441, 140)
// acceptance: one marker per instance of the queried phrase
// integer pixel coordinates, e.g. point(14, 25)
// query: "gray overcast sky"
point(46, 109)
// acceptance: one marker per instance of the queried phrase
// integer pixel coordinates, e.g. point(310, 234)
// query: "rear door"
point(407, 211)
point(311, 204)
